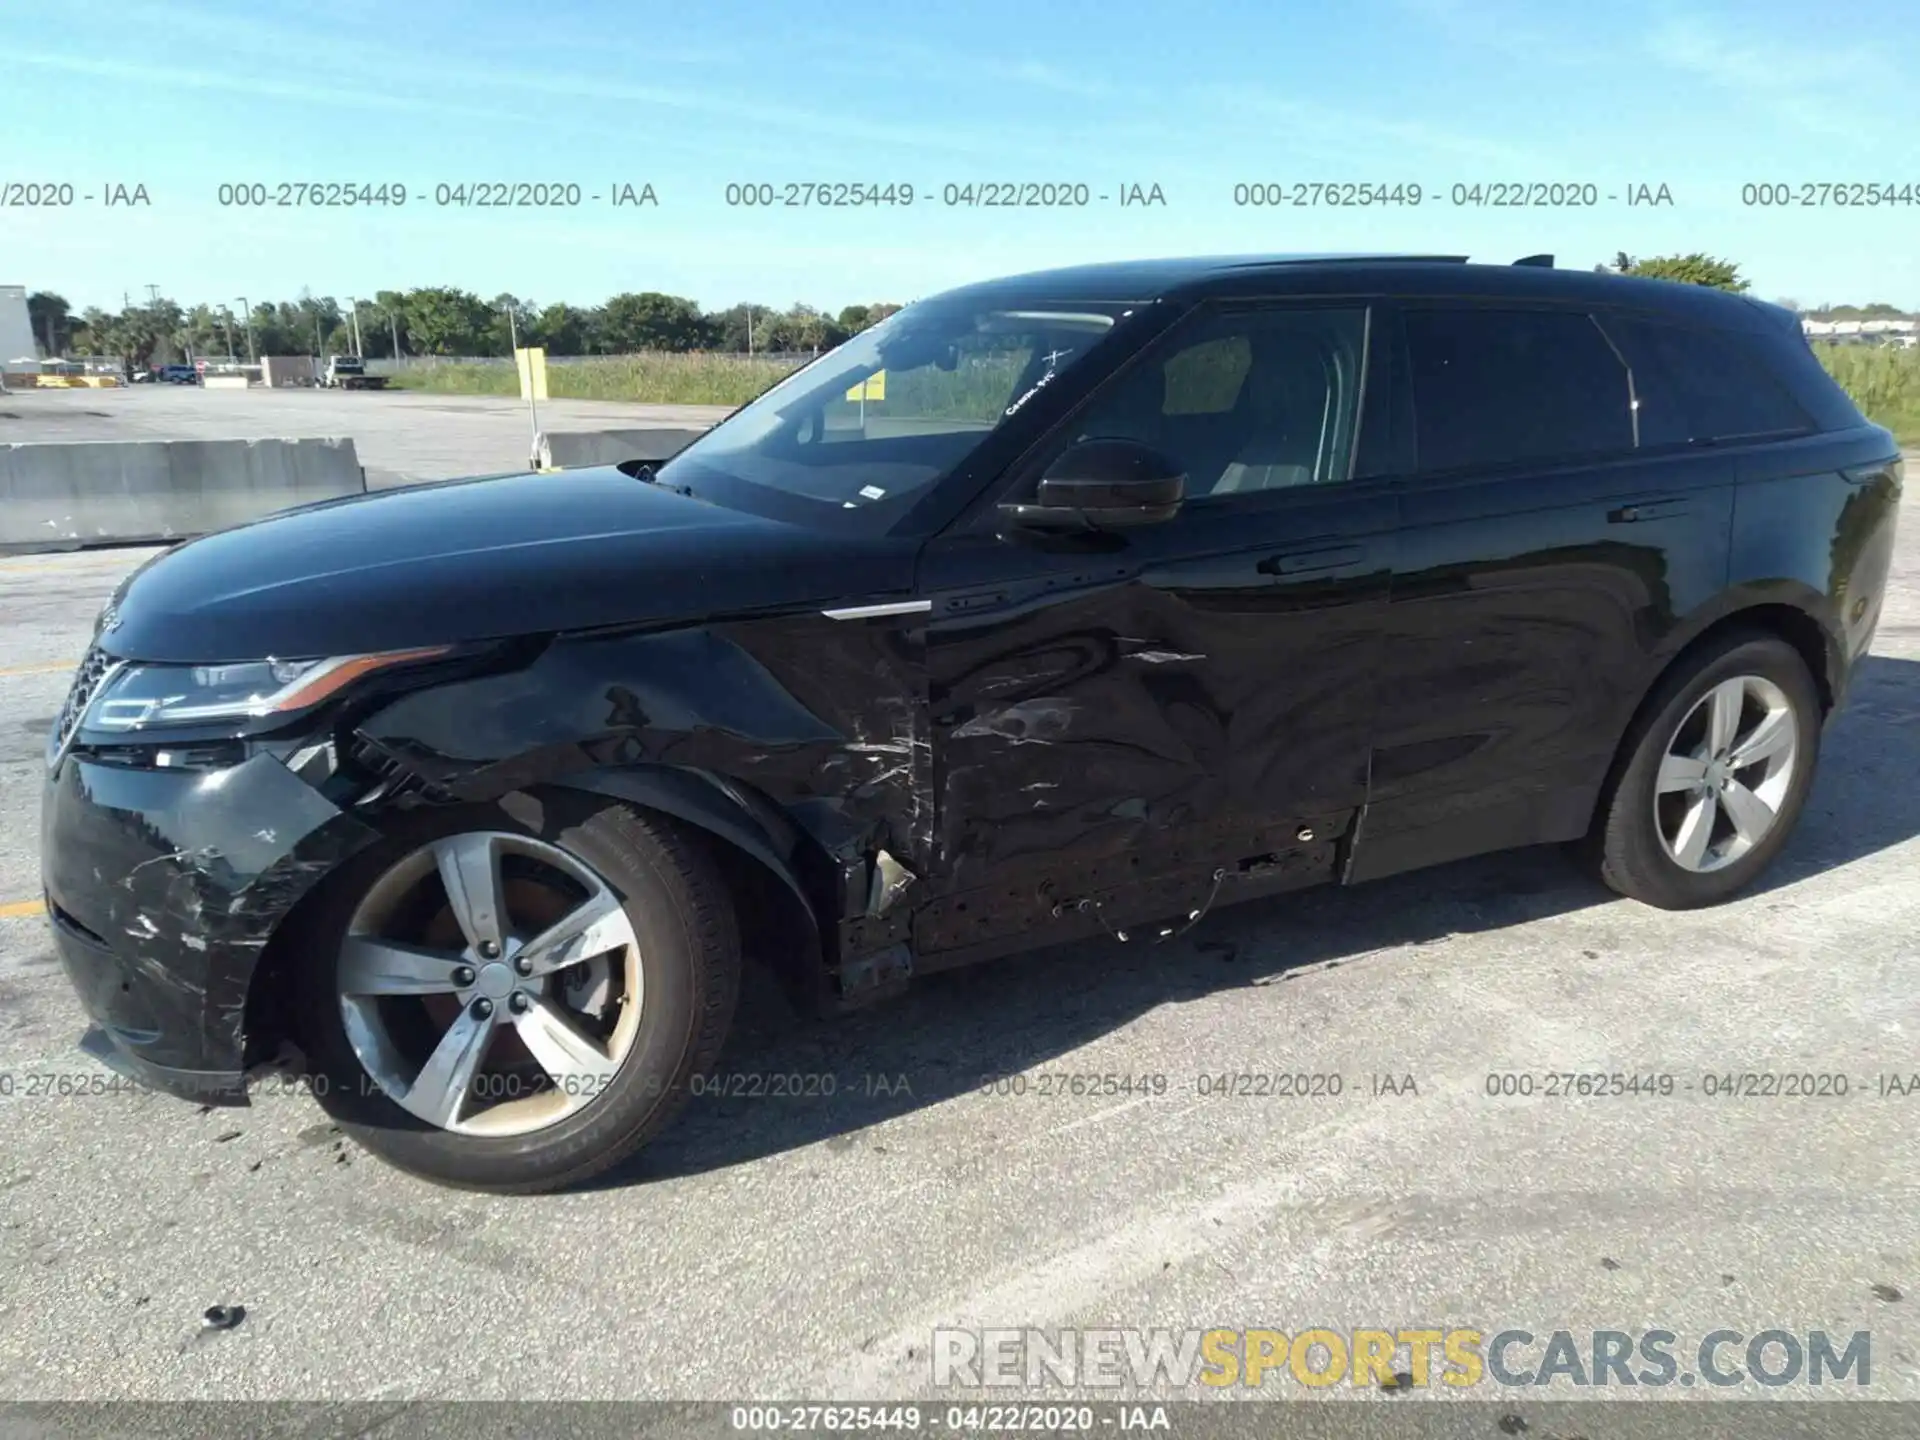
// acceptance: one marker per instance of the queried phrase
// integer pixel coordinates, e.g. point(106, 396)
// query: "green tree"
point(393, 320)
point(93, 333)
point(309, 321)
point(140, 335)
point(262, 318)
point(445, 321)
point(730, 331)
point(808, 329)
point(772, 330)
point(204, 331)
point(649, 321)
point(281, 327)
point(562, 328)
point(500, 333)
point(853, 319)
point(1694, 269)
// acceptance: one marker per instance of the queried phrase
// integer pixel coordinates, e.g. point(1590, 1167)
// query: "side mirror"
point(1103, 485)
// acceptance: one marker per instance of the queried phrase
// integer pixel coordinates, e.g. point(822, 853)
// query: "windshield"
point(867, 429)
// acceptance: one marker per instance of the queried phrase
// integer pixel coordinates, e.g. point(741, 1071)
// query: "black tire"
point(1625, 843)
point(684, 920)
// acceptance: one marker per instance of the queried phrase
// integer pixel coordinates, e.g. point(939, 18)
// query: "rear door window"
point(1497, 388)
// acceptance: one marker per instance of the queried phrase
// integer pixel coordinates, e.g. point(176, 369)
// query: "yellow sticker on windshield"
point(874, 387)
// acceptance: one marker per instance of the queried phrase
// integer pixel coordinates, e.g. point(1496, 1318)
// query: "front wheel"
point(1717, 771)
point(516, 1008)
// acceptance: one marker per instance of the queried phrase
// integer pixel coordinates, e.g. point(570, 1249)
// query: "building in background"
point(1903, 333)
point(18, 353)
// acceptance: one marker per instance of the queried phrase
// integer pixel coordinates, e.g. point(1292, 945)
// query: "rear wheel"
point(1718, 769)
point(516, 1008)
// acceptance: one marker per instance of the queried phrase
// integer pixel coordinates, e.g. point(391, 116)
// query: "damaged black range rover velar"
point(1074, 603)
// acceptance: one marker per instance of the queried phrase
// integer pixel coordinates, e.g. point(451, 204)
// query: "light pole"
point(355, 304)
point(247, 311)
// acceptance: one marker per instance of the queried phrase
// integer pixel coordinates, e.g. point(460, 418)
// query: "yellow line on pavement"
point(57, 667)
point(20, 909)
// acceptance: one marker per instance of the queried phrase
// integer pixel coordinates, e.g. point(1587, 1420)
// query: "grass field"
point(1884, 383)
point(659, 379)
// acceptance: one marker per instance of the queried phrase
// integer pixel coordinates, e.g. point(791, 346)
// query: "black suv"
point(1077, 603)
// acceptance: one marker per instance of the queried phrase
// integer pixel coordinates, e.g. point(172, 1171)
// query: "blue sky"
point(183, 95)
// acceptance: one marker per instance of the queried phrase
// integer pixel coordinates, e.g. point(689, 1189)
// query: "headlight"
point(144, 695)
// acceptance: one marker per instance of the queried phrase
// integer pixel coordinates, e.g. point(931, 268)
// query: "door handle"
point(1646, 510)
point(1304, 562)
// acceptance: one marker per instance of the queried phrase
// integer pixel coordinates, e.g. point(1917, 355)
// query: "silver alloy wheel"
point(490, 984)
point(1726, 772)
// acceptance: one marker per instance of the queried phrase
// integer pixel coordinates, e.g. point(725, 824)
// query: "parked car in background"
point(1075, 604)
point(177, 375)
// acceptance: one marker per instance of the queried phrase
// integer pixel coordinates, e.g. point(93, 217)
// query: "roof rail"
point(1545, 262)
point(1381, 258)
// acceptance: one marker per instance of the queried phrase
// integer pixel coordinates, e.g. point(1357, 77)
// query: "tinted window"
point(1244, 400)
point(1697, 384)
point(1790, 358)
point(1506, 387)
point(1498, 388)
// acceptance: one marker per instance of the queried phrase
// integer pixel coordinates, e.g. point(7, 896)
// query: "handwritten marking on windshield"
point(1032, 391)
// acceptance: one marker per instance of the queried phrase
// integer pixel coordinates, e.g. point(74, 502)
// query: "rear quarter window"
point(1791, 358)
point(1696, 385)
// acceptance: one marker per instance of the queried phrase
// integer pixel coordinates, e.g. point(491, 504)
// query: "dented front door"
point(1165, 698)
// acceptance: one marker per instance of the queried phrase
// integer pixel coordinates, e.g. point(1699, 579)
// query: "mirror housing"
point(1103, 485)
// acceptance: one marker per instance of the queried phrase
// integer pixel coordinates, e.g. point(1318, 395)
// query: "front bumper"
point(163, 888)
point(209, 1087)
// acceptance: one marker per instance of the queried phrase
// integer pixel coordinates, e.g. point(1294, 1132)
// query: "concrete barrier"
point(571, 449)
point(69, 496)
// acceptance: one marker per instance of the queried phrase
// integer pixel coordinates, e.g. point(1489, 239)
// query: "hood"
point(482, 560)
